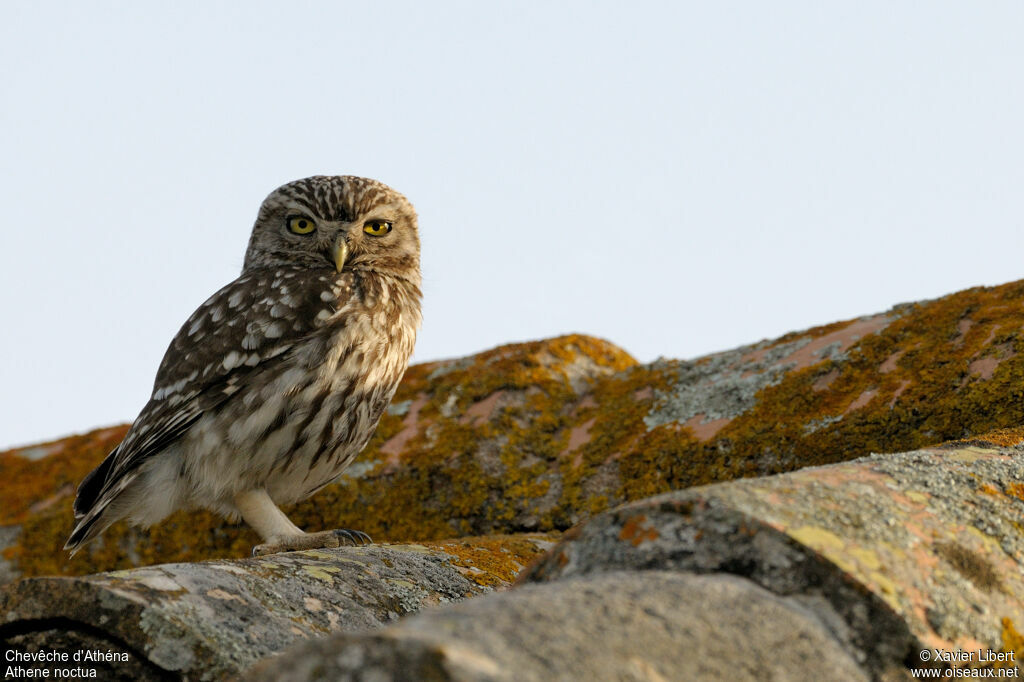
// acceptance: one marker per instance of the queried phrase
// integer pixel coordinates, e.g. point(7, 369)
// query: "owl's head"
point(337, 221)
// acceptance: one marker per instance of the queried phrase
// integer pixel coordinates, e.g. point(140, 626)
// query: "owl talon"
point(327, 539)
point(356, 537)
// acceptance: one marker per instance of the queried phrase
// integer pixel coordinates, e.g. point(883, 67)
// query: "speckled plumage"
point(279, 379)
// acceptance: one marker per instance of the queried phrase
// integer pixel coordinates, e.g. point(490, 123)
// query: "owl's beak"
point(339, 252)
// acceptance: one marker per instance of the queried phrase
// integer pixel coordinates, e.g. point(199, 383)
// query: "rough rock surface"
point(428, 474)
point(538, 436)
point(846, 571)
point(898, 553)
point(653, 625)
point(870, 560)
point(207, 620)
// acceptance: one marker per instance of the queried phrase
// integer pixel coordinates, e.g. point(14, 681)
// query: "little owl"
point(272, 386)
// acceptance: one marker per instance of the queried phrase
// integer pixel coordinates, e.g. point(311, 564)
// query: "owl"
point(278, 380)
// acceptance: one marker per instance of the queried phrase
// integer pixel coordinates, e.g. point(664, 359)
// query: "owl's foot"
point(338, 537)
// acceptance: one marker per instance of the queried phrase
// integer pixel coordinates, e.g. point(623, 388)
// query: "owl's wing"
point(244, 328)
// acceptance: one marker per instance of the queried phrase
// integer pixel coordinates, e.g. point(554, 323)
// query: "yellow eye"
point(300, 224)
point(377, 228)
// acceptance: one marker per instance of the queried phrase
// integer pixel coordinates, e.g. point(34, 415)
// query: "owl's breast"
point(366, 348)
point(371, 332)
point(301, 416)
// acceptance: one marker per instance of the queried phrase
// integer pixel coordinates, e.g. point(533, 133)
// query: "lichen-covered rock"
point(468, 446)
point(896, 553)
point(655, 625)
point(846, 571)
point(206, 620)
point(538, 436)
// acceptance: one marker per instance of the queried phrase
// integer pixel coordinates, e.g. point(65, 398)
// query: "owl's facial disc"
point(341, 222)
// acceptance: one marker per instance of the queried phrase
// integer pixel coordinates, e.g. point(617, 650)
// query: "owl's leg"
point(280, 534)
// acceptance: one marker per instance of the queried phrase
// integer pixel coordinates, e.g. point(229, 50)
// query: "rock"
point(896, 553)
point(538, 436)
point(855, 568)
point(869, 559)
point(651, 625)
point(455, 456)
point(208, 620)
point(847, 571)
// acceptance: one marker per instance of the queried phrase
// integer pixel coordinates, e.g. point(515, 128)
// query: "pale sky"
point(678, 178)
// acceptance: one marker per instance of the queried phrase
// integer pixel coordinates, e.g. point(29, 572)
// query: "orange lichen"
point(31, 485)
point(635, 531)
point(449, 477)
point(1012, 641)
point(1006, 438)
point(928, 410)
point(1016, 490)
point(496, 560)
point(898, 387)
point(536, 436)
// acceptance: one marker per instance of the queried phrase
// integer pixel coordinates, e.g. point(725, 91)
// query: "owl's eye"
point(376, 228)
point(300, 224)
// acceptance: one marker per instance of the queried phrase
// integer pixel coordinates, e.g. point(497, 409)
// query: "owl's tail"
point(90, 488)
point(92, 503)
point(86, 530)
